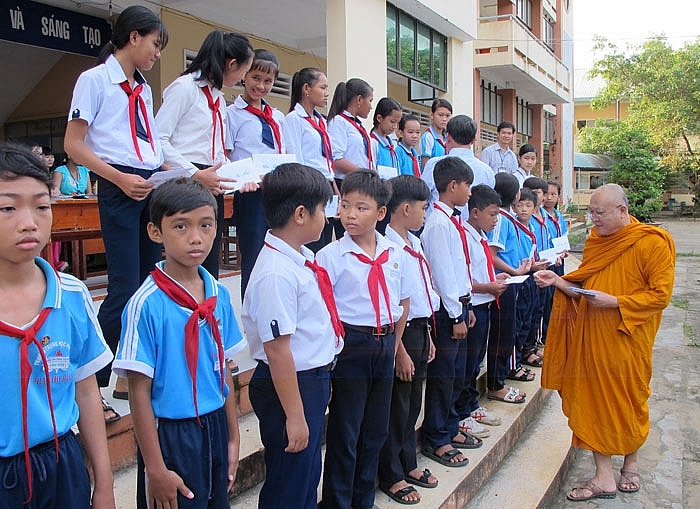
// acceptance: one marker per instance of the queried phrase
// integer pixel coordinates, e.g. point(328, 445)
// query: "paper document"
point(516, 279)
point(268, 162)
point(243, 171)
point(159, 177)
point(561, 243)
point(576, 289)
point(551, 255)
point(387, 172)
point(332, 206)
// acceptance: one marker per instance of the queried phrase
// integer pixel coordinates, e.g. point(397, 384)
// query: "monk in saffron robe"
point(599, 355)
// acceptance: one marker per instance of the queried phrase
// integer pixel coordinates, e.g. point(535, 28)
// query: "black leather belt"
point(417, 322)
point(384, 330)
point(465, 299)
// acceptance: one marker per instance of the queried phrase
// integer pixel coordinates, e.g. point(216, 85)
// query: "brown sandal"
point(629, 480)
point(596, 492)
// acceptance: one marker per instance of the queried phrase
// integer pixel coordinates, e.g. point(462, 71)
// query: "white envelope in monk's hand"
point(243, 171)
point(387, 172)
point(158, 177)
point(268, 162)
point(516, 279)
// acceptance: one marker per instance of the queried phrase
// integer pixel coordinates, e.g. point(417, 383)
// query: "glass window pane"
point(439, 60)
point(424, 53)
point(408, 45)
point(391, 60)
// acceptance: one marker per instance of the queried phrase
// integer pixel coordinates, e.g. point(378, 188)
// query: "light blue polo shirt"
point(74, 348)
point(153, 343)
point(507, 239)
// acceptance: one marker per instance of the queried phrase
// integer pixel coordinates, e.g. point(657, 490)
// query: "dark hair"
point(555, 184)
point(483, 196)
point(345, 92)
point(507, 186)
point(306, 76)
point(526, 149)
point(505, 125)
point(448, 169)
point(18, 161)
point(536, 183)
point(407, 188)
point(46, 151)
point(407, 117)
point(178, 195)
point(367, 182)
point(215, 52)
point(290, 185)
point(440, 103)
point(385, 107)
point(462, 129)
point(265, 61)
point(134, 18)
point(527, 195)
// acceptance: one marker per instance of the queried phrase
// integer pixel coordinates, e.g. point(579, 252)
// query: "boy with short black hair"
point(52, 346)
point(508, 257)
point(415, 349)
point(483, 207)
point(294, 332)
point(177, 330)
point(372, 295)
point(445, 244)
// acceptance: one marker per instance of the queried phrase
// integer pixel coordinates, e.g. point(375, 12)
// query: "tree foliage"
point(662, 87)
point(635, 167)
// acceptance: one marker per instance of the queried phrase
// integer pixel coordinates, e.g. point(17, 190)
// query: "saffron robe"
point(600, 359)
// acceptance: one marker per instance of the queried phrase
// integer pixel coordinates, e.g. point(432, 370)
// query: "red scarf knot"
point(375, 281)
point(266, 115)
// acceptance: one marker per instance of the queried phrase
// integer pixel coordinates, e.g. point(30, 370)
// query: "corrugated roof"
point(592, 161)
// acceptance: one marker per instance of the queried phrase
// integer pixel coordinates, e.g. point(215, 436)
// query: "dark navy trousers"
point(501, 340)
point(131, 255)
point(477, 339)
point(291, 479)
point(358, 419)
point(251, 227)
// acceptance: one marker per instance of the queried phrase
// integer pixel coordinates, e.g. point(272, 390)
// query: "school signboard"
point(50, 27)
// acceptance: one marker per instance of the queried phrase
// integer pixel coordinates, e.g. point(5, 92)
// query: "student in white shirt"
point(306, 135)
point(191, 119)
point(111, 130)
point(253, 127)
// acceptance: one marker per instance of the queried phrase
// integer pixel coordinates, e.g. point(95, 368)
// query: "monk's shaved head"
point(611, 193)
point(608, 209)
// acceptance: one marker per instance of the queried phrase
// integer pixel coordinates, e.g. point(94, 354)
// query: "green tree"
point(662, 87)
point(635, 167)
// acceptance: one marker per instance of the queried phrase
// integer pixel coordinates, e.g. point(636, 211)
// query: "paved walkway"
point(670, 459)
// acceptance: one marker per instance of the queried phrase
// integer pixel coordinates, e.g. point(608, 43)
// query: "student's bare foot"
point(423, 478)
point(402, 492)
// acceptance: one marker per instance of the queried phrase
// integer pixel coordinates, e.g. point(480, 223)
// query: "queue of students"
point(364, 323)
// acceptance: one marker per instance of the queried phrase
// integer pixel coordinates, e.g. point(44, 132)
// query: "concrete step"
point(532, 473)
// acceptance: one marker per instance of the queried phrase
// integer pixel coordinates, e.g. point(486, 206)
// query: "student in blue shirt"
point(409, 137)
point(51, 346)
point(179, 327)
point(433, 143)
point(387, 115)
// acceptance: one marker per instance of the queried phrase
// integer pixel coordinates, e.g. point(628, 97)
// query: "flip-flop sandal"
point(629, 477)
point(106, 407)
point(510, 397)
point(423, 481)
point(596, 492)
point(445, 457)
point(470, 442)
point(399, 495)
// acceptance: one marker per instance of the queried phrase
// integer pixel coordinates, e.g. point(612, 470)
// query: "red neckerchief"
point(135, 99)
point(519, 226)
point(365, 137)
point(327, 149)
point(204, 310)
point(215, 115)
point(543, 228)
point(462, 236)
point(28, 337)
point(266, 115)
point(489, 265)
point(409, 151)
point(390, 146)
point(438, 138)
point(376, 280)
point(427, 278)
point(555, 219)
point(326, 288)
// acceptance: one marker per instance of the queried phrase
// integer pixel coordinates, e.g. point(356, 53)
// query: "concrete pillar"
point(537, 18)
point(559, 146)
point(460, 77)
point(506, 7)
point(510, 105)
point(537, 138)
point(356, 44)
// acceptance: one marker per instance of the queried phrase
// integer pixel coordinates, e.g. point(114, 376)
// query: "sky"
point(625, 22)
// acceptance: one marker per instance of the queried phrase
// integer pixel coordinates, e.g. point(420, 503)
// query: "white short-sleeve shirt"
point(303, 140)
point(479, 266)
point(348, 143)
point(244, 132)
point(99, 100)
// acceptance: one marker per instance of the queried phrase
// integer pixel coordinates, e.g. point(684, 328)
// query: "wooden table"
point(76, 220)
